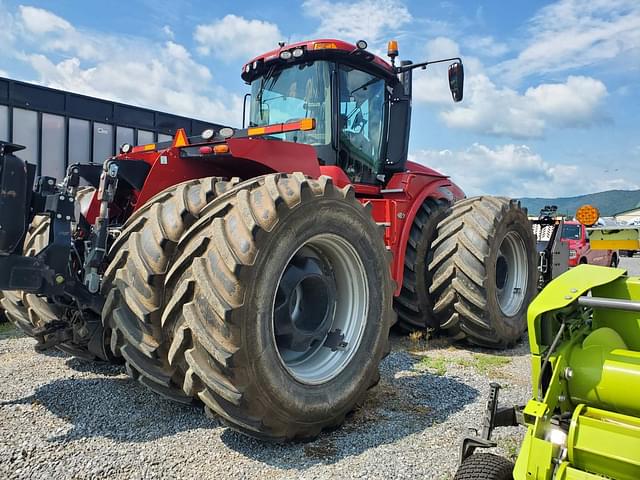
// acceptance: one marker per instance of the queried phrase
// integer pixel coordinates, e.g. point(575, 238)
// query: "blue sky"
point(552, 92)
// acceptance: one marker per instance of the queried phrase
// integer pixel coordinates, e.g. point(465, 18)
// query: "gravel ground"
point(62, 418)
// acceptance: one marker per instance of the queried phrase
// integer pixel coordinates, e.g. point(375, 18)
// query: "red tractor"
point(260, 269)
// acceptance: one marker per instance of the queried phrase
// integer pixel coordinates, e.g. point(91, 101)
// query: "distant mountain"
point(609, 202)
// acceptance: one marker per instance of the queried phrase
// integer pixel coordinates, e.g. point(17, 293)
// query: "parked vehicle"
point(256, 269)
point(574, 234)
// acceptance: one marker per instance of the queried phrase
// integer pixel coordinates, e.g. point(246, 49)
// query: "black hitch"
point(494, 416)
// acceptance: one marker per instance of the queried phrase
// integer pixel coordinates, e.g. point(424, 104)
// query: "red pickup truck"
point(575, 235)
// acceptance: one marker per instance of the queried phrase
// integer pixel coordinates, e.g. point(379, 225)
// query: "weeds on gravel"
point(484, 363)
point(438, 364)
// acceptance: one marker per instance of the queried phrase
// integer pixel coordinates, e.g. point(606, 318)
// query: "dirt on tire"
point(223, 295)
point(414, 304)
point(478, 295)
point(133, 283)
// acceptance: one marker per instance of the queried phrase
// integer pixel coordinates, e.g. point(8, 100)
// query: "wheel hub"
point(320, 309)
point(304, 304)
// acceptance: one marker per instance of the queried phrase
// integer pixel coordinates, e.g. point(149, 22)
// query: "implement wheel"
point(484, 271)
point(485, 466)
point(285, 297)
point(134, 281)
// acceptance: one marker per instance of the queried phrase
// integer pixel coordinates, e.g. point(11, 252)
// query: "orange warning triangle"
point(180, 140)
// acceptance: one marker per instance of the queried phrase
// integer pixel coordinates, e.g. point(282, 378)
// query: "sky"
point(552, 89)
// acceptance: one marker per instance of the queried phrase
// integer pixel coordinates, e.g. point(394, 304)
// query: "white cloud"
point(486, 46)
point(493, 110)
point(432, 85)
point(237, 37)
point(577, 33)
point(168, 32)
point(160, 76)
point(517, 171)
point(39, 21)
point(364, 19)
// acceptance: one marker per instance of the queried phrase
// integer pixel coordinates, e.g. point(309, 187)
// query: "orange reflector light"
point(143, 148)
point(222, 148)
point(180, 140)
point(307, 124)
point(392, 48)
point(587, 215)
point(304, 124)
point(323, 45)
point(252, 132)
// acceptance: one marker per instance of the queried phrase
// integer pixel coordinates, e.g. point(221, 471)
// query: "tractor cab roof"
point(321, 49)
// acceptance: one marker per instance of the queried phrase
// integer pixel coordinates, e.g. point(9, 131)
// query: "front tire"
point(485, 466)
point(274, 359)
point(484, 271)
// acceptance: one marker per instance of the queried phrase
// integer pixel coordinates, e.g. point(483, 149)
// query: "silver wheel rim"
point(320, 363)
point(512, 270)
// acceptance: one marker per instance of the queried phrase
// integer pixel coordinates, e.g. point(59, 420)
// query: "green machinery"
point(583, 422)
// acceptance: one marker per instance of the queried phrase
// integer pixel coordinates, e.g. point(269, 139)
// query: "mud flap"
point(16, 180)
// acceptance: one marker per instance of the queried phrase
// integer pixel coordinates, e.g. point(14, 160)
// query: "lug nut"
point(59, 279)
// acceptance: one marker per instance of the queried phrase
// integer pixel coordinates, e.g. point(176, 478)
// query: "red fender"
point(411, 190)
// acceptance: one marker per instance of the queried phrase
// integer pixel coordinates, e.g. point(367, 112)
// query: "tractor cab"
point(360, 103)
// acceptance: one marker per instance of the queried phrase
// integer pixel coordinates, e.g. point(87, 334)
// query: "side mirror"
point(456, 81)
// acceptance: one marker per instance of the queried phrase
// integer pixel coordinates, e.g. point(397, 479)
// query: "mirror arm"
point(423, 65)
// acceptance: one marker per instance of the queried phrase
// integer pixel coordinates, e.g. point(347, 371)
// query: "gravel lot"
point(62, 418)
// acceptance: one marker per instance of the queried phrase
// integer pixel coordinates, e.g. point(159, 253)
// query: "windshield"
point(302, 91)
point(571, 232)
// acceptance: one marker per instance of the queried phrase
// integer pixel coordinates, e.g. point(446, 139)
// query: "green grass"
point(483, 363)
point(439, 365)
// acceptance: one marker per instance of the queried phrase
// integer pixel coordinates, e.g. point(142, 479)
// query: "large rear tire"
point(414, 305)
point(134, 281)
point(484, 271)
point(485, 466)
point(282, 306)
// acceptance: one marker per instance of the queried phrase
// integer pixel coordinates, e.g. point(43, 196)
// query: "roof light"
point(247, 68)
point(298, 52)
point(392, 49)
point(285, 55)
point(226, 132)
point(207, 134)
point(361, 44)
point(255, 64)
point(125, 148)
point(323, 45)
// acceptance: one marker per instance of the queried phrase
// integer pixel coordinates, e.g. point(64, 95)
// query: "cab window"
point(361, 123)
